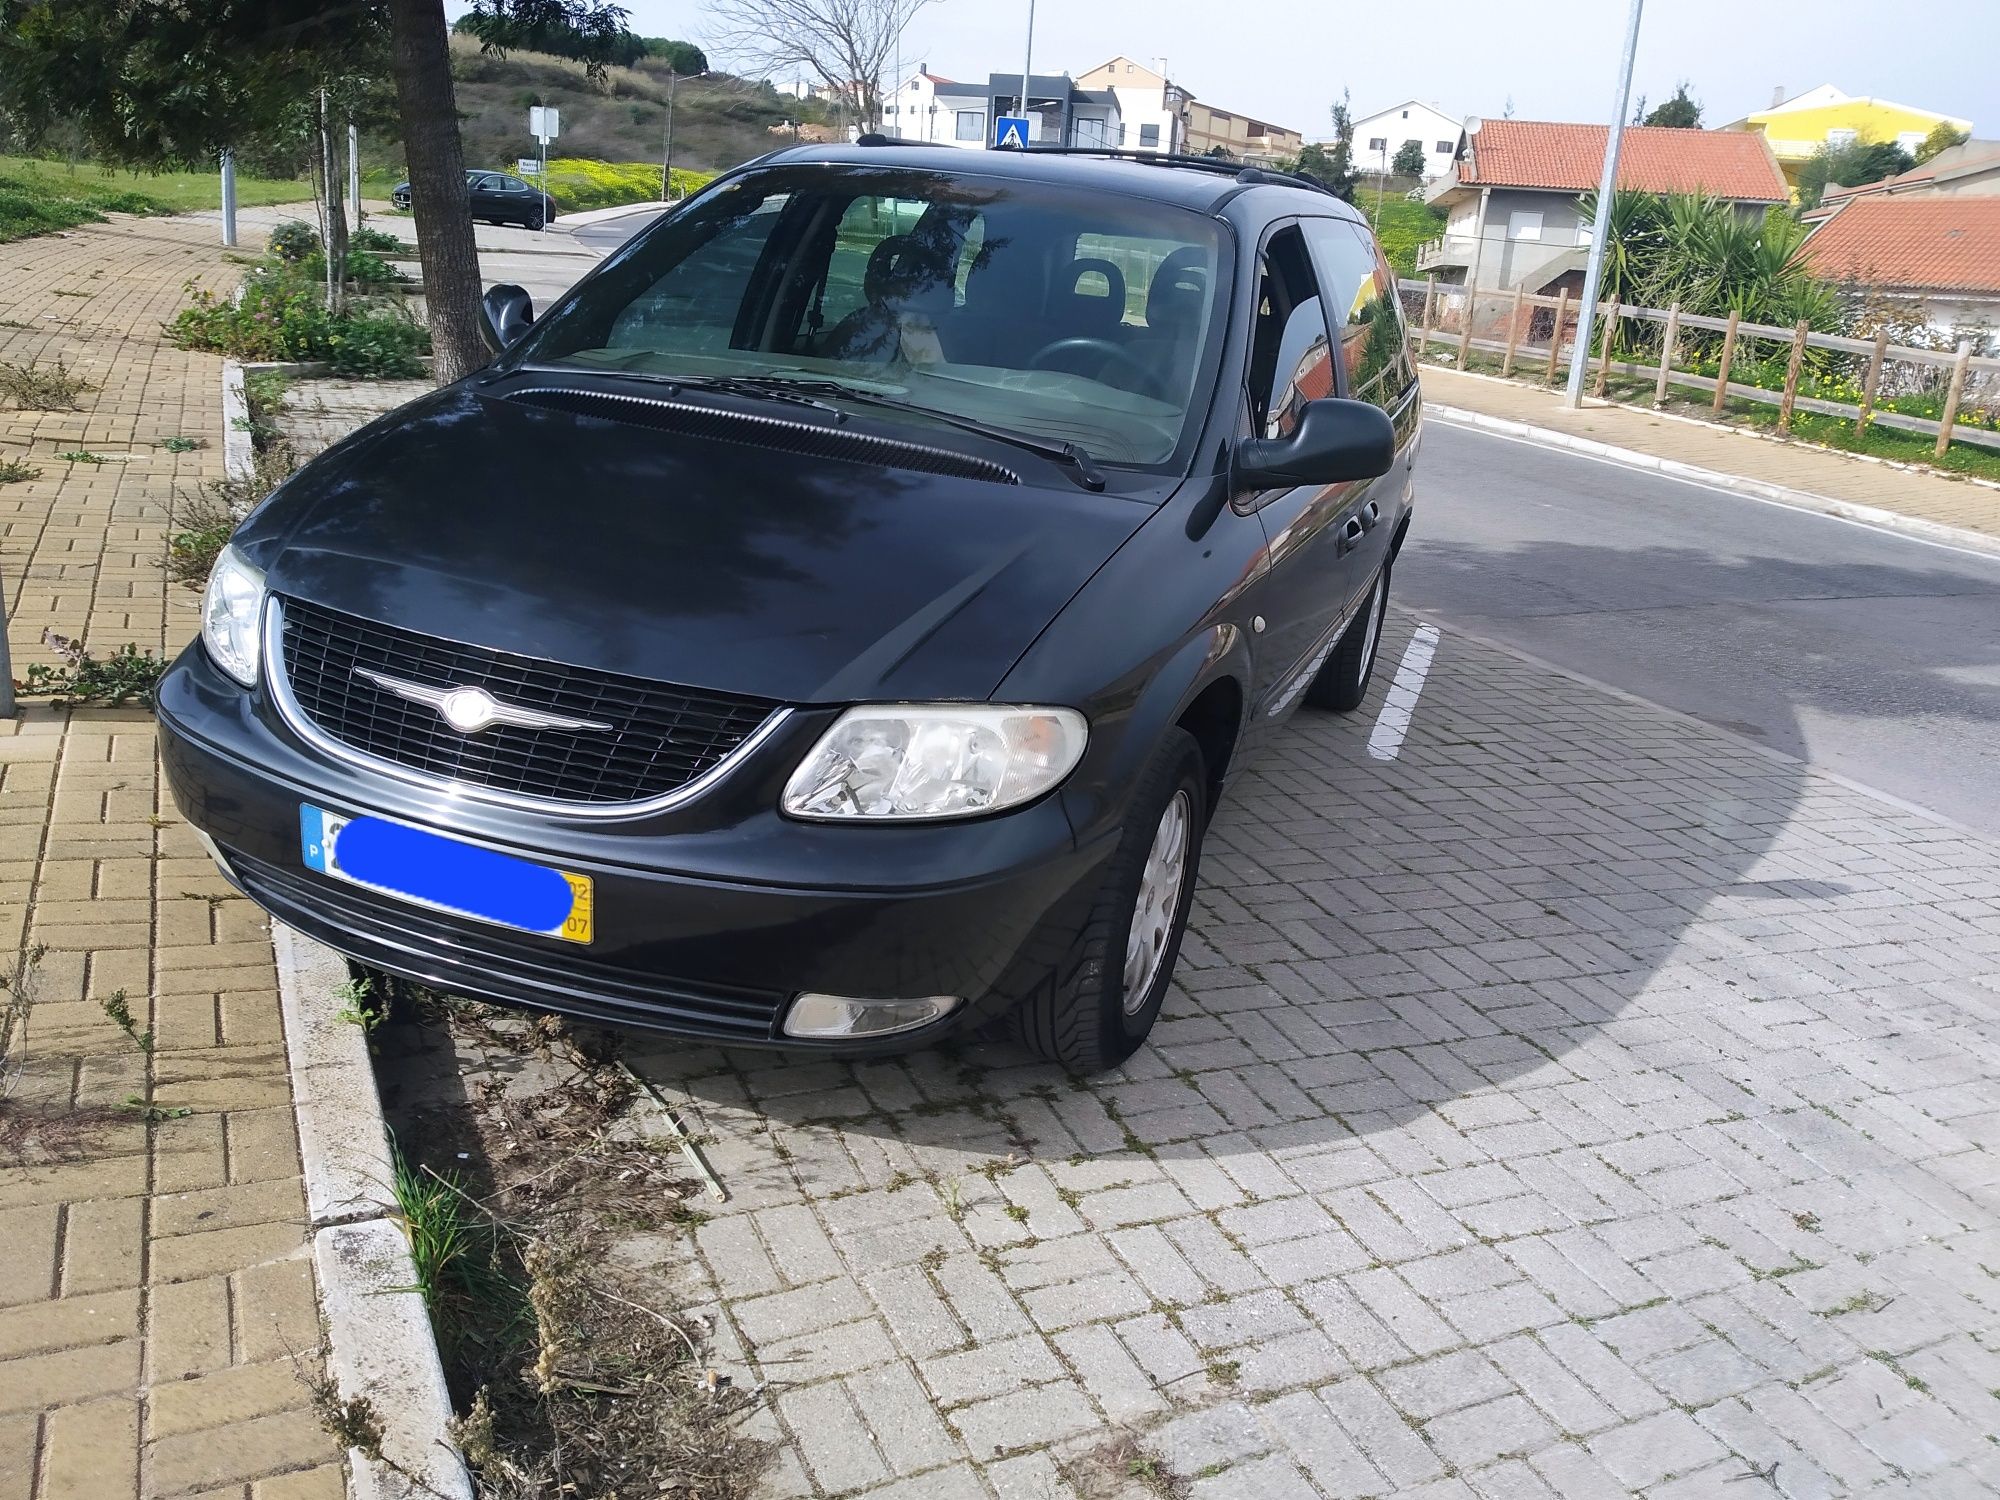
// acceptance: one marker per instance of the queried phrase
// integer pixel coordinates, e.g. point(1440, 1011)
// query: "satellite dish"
point(1473, 124)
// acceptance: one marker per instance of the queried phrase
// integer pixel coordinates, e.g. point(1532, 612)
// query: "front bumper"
point(710, 917)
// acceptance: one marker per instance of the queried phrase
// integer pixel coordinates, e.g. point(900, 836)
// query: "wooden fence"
point(1508, 324)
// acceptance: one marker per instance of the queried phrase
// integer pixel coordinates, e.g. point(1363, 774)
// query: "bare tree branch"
point(843, 44)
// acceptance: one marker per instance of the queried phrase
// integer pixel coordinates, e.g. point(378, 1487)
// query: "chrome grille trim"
point(278, 683)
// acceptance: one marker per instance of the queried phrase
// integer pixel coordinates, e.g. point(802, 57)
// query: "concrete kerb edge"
point(378, 1333)
point(1776, 494)
point(239, 459)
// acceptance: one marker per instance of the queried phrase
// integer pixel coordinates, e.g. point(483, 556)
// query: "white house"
point(1378, 137)
point(1153, 110)
point(926, 107)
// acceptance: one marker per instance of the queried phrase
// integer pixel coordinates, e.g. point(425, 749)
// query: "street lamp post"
point(1028, 61)
point(1607, 188)
point(667, 147)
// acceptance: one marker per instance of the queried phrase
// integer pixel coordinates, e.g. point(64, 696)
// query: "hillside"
point(718, 121)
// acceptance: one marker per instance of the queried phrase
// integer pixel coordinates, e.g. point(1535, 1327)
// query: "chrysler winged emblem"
point(471, 709)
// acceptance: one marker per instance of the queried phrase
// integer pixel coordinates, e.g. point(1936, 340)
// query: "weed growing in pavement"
point(201, 520)
point(453, 1247)
point(121, 1016)
point(83, 456)
point(359, 1004)
point(1114, 1465)
point(14, 471)
point(179, 444)
point(353, 1420)
point(78, 677)
point(156, 1114)
point(18, 987)
point(37, 387)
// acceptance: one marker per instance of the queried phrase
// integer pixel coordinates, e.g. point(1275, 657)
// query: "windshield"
point(1054, 313)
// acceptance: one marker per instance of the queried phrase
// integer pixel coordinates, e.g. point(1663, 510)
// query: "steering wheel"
point(1107, 352)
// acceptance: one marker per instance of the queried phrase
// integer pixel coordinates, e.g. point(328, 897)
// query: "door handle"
point(1370, 514)
point(1350, 534)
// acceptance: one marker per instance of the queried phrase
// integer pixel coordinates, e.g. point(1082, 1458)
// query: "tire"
point(533, 221)
point(1342, 681)
point(1075, 1013)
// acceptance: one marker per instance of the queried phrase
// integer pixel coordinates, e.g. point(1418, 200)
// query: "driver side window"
point(1291, 355)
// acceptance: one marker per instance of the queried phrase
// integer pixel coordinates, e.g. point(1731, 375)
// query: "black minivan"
point(831, 624)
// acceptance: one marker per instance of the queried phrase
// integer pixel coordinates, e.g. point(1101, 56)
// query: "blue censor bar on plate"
point(449, 874)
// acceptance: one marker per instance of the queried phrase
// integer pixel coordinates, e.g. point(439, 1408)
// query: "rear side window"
point(1364, 309)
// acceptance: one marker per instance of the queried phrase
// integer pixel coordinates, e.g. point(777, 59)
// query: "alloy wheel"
point(1159, 899)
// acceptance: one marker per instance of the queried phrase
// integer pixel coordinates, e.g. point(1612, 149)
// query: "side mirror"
point(1334, 442)
point(505, 313)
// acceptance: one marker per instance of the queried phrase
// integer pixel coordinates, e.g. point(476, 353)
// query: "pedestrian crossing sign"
point(1011, 131)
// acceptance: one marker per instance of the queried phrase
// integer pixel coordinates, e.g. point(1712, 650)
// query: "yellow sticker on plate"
point(577, 928)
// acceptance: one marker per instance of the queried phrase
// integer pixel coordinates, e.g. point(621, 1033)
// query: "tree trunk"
point(422, 63)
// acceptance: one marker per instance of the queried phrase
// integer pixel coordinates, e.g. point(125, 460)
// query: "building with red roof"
point(1512, 195)
point(1940, 254)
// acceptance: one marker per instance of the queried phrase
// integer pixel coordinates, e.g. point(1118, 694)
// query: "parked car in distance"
point(832, 624)
point(497, 197)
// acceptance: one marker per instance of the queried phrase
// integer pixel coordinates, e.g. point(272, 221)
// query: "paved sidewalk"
point(1799, 466)
point(156, 1291)
point(1582, 1103)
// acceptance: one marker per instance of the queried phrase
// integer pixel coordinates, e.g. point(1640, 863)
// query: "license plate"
point(446, 874)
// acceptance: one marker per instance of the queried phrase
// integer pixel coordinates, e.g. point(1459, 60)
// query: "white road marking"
point(1386, 743)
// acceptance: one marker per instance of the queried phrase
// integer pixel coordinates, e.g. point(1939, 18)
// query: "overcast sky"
point(1556, 58)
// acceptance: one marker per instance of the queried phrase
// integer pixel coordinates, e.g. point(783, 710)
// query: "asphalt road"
point(1862, 651)
point(604, 237)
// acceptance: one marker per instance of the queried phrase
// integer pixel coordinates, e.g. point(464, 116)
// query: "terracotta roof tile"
point(1945, 244)
point(1655, 159)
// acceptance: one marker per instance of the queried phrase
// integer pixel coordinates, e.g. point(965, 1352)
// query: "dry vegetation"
point(573, 1372)
point(718, 121)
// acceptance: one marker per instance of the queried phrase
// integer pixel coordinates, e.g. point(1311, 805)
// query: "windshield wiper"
point(1069, 455)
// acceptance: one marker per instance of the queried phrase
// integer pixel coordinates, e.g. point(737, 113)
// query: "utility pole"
point(1028, 63)
point(1607, 188)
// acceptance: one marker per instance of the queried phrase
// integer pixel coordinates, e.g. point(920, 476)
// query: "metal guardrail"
point(1451, 315)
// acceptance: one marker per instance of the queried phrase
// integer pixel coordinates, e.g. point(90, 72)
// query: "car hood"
point(716, 564)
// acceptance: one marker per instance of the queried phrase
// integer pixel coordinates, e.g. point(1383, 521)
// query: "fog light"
point(841, 1015)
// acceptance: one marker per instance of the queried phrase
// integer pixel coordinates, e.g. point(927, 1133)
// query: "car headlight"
point(948, 761)
point(232, 616)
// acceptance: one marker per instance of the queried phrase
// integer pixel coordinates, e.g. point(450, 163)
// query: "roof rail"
point(1247, 172)
point(876, 138)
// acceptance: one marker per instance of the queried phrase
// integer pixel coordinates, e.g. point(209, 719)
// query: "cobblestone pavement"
point(156, 1297)
point(1799, 466)
point(1583, 1103)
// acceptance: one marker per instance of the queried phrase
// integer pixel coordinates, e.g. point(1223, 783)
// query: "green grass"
point(37, 196)
point(1401, 226)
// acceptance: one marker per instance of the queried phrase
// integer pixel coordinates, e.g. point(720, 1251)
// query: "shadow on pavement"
point(1372, 939)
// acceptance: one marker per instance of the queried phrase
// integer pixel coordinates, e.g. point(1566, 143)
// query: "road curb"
point(379, 1341)
point(239, 458)
point(1775, 494)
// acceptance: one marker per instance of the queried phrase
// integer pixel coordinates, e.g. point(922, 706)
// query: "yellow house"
point(1799, 126)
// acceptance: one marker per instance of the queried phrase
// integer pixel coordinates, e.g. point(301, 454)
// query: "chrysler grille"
point(661, 737)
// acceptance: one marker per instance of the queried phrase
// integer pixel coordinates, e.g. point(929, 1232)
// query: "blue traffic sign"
point(1011, 130)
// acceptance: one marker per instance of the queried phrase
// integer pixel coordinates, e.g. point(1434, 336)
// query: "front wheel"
point(1342, 682)
point(1095, 1007)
